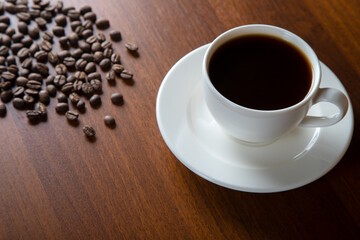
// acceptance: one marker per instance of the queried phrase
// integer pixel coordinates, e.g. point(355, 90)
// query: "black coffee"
point(260, 72)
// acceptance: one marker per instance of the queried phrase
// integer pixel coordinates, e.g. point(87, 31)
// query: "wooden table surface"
point(127, 184)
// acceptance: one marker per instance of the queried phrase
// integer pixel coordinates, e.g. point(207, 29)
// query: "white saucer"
point(294, 160)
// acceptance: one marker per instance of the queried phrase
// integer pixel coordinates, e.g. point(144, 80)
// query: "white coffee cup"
point(264, 126)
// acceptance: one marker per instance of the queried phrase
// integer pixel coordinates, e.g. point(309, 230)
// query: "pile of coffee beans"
point(27, 58)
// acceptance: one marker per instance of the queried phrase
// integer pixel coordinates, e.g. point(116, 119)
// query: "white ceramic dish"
point(296, 159)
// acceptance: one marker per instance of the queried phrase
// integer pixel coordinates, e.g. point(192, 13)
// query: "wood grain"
point(55, 184)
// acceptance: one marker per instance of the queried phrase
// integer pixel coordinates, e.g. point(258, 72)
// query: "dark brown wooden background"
point(54, 184)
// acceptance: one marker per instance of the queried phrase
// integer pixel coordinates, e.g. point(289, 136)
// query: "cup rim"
point(314, 62)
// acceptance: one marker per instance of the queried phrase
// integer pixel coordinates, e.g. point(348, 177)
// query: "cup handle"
point(333, 96)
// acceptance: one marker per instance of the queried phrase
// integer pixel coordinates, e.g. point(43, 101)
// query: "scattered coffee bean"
point(33, 32)
point(90, 67)
point(67, 88)
point(105, 64)
point(80, 64)
point(27, 41)
point(108, 52)
point(85, 9)
point(74, 98)
point(126, 75)
point(117, 68)
point(62, 98)
point(6, 40)
point(48, 36)
point(2, 109)
point(106, 44)
point(80, 75)
point(23, 53)
point(67, 9)
point(85, 47)
point(51, 90)
point(63, 54)
point(73, 15)
point(59, 80)
point(87, 24)
point(61, 107)
point(96, 46)
point(27, 63)
point(94, 75)
point(23, 27)
point(117, 98)
point(61, 69)
point(98, 56)
point(109, 121)
point(115, 35)
point(17, 37)
point(32, 84)
point(6, 96)
point(79, 30)
point(4, 51)
point(90, 16)
point(41, 107)
point(35, 76)
point(29, 100)
point(8, 76)
point(18, 103)
point(71, 115)
point(75, 24)
point(41, 56)
point(19, 91)
point(96, 84)
point(69, 62)
point(32, 92)
point(60, 20)
point(132, 47)
point(88, 57)
point(21, 81)
point(46, 15)
point(33, 115)
point(24, 72)
point(70, 79)
point(80, 105)
point(41, 68)
point(11, 60)
point(102, 23)
point(53, 58)
point(10, 31)
point(73, 39)
point(115, 58)
point(3, 27)
point(110, 76)
point(41, 22)
point(44, 96)
point(87, 89)
point(64, 40)
point(34, 48)
point(58, 31)
point(45, 45)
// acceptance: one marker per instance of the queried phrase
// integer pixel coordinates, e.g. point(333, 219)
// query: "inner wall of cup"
point(273, 31)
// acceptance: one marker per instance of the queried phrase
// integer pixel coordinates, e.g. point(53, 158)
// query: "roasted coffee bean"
point(21, 7)
point(79, 30)
point(98, 56)
point(35, 76)
point(126, 75)
point(27, 63)
point(67, 88)
point(23, 53)
point(90, 16)
point(23, 27)
point(49, 80)
point(115, 58)
point(74, 98)
point(21, 81)
point(85, 9)
point(63, 54)
point(11, 60)
point(91, 40)
point(115, 35)
point(106, 44)
point(6, 96)
point(45, 45)
point(44, 97)
point(59, 6)
point(77, 53)
point(2, 8)
point(59, 80)
point(96, 84)
point(71, 78)
point(41, 68)
point(105, 64)
point(34, 13)
point(80, 105)
point(81, 64)
point(71, 115)
point(5, 19)
point(73, 15)
point(94, 75)
point(32, 84)
point(87, 89)
point(51, 90)
point(78, 86)
point(41, 56)
point(33, 115)
point(110, 76)
point(18, 103)
point(132, 47)
point(102, 23)
point(69, 62)
point(88, 57)
point(10, 31)
point(60, 20)
point(42, 109)
point(2, 60)
point(101, 37)
point(13, 69)
point(109, 121)
point(61, 107)
point(48, 36)
point(85, 47)
point(3, 27)
point(80, 75)
point(73, 39)
point(5, 85)
point(108, 52)
point(62, 98)
point(10, 8)
point(50, 9)
point(75, 24)
point(90, 67)
point(8, 76)
point(61, 69)
point(34, 48)
point(117, 68)
point(87, 33)
point(117, 98)
point(24, 72)
point(87, 24)
point(41, 22)
point(15, 48)
point(29, 100)
point(33, 32)
point(96, 46)
point(18, 91)
point(17, 37)
point(89, 131)
point(67, 9)
point(3, 68)
point(58, 31)
point(64, 41)
point(4, 51)
point(27, 41)
point(46, 15)
point(53, 58)
point(6, 40)
point(2, 109)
